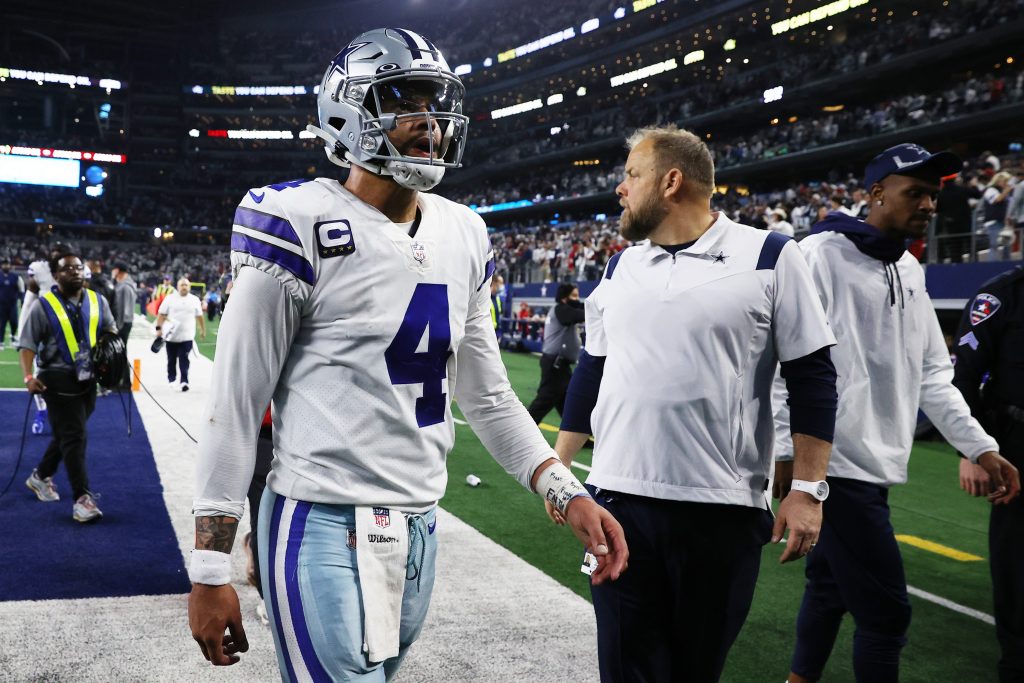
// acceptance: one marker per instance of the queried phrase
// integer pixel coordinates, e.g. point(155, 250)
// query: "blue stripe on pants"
point(291, 577)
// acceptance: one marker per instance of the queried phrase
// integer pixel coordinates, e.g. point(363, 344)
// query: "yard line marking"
point(938, 548)
point(949, 604)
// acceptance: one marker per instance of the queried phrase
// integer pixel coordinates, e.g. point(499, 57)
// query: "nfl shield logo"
point(983, 308)
point(382, 516)
point(419, 252)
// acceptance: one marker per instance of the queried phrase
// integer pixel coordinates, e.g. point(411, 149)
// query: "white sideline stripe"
point(949, 604)
point(585, 468)
point(267, 237)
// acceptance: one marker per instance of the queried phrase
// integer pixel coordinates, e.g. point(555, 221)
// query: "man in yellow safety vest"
point(62, 329)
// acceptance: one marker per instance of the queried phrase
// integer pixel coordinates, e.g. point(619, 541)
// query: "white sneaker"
point(43, 488)
point(85, 509)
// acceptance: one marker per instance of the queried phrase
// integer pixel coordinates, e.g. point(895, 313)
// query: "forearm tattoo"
point(215, 533)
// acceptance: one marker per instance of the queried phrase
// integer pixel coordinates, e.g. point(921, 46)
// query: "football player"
point(371, 303)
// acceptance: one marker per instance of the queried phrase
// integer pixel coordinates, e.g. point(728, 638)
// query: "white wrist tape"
point(209, 567)
point(558, 486)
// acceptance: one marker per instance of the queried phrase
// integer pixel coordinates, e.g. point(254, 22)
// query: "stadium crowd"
point(907, 111)
point(149, 264)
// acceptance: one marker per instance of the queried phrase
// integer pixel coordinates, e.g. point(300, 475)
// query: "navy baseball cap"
point(902, 159)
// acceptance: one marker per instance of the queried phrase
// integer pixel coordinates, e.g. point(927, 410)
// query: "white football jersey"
point(362, 359)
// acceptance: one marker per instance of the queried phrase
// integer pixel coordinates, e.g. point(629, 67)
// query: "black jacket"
point(989, 360)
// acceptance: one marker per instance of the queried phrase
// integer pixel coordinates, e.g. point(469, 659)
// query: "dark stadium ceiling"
point(112, 15)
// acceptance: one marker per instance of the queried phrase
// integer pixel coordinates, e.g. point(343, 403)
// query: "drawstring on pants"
point(417, 535)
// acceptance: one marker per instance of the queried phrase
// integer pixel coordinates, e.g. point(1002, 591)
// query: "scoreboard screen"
point(39, 171)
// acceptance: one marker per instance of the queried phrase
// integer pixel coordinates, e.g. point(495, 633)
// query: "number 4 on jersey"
point(428, 311)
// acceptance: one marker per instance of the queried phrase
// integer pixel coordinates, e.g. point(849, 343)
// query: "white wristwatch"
point(818, 489)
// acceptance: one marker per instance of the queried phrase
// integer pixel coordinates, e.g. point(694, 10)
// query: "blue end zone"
point(47, 555)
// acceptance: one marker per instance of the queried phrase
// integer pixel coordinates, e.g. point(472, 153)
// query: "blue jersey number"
point(427, 312)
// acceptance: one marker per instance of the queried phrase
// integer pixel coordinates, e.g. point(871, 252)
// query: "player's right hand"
point(211, 611)
point(35, 386)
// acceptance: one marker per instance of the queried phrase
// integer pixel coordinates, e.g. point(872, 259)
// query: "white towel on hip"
point(382, 552)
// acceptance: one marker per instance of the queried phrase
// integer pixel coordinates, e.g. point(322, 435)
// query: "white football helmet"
point(382, 78)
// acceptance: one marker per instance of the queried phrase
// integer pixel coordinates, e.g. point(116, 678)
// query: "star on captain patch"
point(419, 252)
point(719, 257)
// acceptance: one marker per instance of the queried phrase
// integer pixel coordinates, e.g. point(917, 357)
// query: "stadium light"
point(773, 94)
point(619, 13)
point(692, 57)
point(589, 25)
point(520, 108)
point(463, 69)
point(729, 45)
point(157, 232)
point(555, 99)
point(193, 133)
point(488, 63)
point(581, 91)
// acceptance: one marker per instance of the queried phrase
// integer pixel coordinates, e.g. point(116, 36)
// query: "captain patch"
point(334, 238)
point(983, 308)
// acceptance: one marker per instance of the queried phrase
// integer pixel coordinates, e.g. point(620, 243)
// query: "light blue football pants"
point(311, 589)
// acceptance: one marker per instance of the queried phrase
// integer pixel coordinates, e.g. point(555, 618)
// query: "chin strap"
point(330, 143)
point(419, 177)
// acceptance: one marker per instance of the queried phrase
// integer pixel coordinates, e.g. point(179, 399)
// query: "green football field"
point(942, 531)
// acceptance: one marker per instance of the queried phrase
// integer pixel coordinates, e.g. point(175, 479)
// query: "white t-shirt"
point(691, 344)
point(361, 335)
point(181, 312)
point(891, 359)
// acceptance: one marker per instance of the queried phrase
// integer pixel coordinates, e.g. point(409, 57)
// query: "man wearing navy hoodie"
point(891, 360)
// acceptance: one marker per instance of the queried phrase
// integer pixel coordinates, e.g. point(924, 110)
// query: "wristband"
point(158, 328)
point(209, 567)
point(29, 378)
point(559, 486)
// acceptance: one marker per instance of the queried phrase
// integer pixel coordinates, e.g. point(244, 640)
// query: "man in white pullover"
point(891, 359)
point(353, 308)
